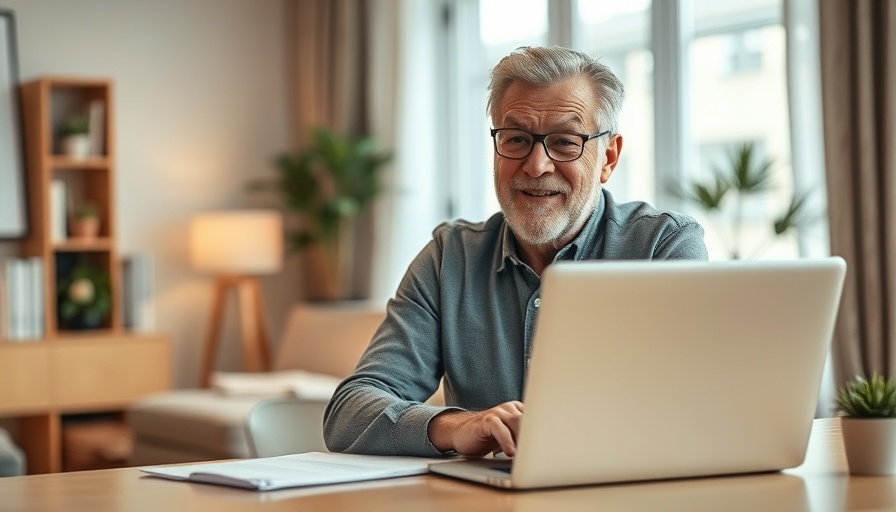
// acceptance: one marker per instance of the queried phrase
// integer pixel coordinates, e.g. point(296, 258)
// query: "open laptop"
point(657, 370)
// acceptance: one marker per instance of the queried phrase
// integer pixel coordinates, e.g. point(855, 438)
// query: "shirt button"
point(537, 302)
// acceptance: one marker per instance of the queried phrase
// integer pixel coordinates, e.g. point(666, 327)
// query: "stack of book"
point(22, 308)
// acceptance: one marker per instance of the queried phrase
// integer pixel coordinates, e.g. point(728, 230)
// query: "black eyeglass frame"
point(540, 137)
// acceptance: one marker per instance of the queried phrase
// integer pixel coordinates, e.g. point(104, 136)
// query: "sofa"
point(190, 425)
point(12, 460)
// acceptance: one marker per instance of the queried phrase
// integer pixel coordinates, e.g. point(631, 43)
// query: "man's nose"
point(538, 162)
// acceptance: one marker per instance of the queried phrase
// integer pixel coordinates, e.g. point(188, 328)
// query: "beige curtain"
point(331, 79)
point(858, 68)
point(330, 65)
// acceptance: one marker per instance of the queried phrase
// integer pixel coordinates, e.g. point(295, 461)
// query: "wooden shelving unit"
point(73, 370)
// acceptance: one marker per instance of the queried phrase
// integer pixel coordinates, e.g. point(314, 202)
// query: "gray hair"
point(548, 65)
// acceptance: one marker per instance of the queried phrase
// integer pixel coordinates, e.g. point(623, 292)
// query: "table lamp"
point(237, 246)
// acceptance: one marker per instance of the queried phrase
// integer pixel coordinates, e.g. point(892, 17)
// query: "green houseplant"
point(868, 409)
point(84, 298)
point(326, 185)
point(75, 124)
point(724, 194)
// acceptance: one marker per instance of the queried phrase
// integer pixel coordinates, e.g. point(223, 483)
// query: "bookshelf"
point(87, 363)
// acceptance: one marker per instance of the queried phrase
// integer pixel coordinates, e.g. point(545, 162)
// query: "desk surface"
point(820, 484)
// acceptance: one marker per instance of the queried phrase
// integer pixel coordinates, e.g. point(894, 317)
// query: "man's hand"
point(478, 433)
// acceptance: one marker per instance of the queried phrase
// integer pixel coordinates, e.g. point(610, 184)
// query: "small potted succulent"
point(85, 298)
point(868, 409)
point(75, 136)
point(85, 220)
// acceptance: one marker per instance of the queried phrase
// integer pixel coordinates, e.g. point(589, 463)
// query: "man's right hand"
point(478, 433)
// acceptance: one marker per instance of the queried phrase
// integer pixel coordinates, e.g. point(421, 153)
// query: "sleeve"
point(682, 240)
point(379, 409)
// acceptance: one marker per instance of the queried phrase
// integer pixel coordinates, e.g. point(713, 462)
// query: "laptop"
point(661, 370)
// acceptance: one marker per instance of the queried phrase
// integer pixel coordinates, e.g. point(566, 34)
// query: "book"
point(16, 296)
point(58, 211)
point(37, 311)
point(4, 302)
point(296, 470)
point(96, 131)
point(138, 292)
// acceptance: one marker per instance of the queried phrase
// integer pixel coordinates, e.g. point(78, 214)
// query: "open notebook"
point(298, 470)
point(654, 370)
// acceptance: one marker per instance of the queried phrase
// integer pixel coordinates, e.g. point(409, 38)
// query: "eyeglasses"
point(560, 147)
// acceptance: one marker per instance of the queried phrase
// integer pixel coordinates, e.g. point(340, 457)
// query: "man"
point(466, 308)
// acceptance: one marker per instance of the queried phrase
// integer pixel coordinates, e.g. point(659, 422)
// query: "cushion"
point(328, 338)
point(297, 383)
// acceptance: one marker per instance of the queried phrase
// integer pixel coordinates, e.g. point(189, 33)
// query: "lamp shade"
point(237, 242)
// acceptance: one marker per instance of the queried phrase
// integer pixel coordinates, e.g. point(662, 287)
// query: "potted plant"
point(75, 136)
point(745, 176)
point(85, 298)
point(326, 185)
point(85, 220)
point(868, 409)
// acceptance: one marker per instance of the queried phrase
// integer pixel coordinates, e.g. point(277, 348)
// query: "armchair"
point(204, 424)
point(12, 460)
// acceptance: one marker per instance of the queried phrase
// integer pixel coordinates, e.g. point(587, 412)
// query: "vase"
point(327, 276)
point(76, 146)
point(330, 266)
point(870, 445)
point(85, 321)
point(86, 227)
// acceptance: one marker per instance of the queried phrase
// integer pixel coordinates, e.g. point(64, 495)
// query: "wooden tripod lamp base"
point(236, 246)
point(256, 355)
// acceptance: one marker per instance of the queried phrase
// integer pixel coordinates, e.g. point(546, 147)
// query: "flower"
point(81, 291)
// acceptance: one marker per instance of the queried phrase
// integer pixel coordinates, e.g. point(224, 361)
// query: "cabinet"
point(77, 367)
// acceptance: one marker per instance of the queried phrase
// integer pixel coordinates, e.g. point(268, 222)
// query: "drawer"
point(108, 373)
point(24, 377)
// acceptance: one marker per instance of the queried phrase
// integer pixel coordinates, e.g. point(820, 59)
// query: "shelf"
point(73, 370)
point(84, 245)
point(91, 163)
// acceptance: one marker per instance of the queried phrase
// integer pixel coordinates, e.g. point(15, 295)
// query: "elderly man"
point(466, 308)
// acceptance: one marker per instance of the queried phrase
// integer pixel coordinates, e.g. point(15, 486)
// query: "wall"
point(202, 91)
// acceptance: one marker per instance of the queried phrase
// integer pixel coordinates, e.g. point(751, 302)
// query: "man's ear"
point(611, 157)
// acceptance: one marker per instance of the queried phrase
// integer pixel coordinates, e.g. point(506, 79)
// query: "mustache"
point(551, 184)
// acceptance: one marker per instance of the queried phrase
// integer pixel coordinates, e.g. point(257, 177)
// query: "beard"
point(542, 224)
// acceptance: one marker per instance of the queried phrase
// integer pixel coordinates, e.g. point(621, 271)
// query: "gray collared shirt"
point(465, 312)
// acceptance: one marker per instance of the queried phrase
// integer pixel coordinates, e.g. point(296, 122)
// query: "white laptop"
point(658, 370)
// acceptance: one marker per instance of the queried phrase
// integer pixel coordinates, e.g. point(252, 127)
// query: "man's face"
point(548, 202)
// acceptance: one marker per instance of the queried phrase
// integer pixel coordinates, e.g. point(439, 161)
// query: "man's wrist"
point(441, 428)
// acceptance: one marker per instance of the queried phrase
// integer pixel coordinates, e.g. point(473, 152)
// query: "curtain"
point(330, 73)
point(330, 65)
point(372, 67)
point(858, 73)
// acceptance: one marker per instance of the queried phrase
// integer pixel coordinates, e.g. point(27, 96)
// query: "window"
point(730, 70)
point(504, 26)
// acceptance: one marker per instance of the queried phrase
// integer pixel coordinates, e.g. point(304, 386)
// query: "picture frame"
point(13, 193)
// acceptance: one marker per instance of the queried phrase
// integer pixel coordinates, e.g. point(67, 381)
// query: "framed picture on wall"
point(13, 208)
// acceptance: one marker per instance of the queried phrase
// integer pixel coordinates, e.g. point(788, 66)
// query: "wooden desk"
point(820, 484)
